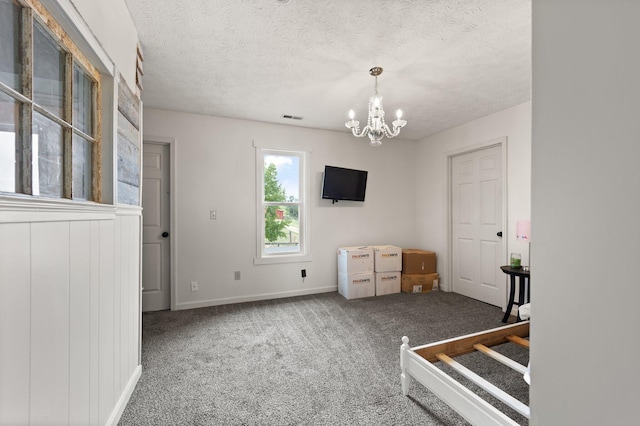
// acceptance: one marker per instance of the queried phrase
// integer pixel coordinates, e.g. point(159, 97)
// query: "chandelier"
point(376, 128)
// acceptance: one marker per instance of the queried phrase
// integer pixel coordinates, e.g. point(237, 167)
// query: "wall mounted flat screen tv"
point(343, 184)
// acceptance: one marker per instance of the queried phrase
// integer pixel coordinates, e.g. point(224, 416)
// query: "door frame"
point(171, 142)
point(501, 142)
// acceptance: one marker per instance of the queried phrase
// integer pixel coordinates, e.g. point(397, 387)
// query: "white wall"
point(111, 23)
point(586, 205)
point(431, 177)
point(215, 169)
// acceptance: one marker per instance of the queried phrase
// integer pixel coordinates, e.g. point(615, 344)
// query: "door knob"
point(499, 234)
point(165, 234)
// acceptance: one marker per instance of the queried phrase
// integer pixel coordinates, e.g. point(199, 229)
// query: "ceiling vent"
point(291, 117)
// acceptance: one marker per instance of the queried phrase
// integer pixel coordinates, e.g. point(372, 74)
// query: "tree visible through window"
point(275, 221)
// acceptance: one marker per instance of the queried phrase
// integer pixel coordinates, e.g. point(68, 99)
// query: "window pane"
point(48, 161)
point(10, 68)
point(48, 71)
point(282, 230)
point(81, 168)
point(81, 100)
point(281, 178)
point(8, 120)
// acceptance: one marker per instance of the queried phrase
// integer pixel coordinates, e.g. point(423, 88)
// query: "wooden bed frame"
point(417, 362)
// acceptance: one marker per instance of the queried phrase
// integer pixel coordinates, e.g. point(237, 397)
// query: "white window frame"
point(304, 212)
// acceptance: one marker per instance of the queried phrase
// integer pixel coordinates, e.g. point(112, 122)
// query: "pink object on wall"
point(523, 230)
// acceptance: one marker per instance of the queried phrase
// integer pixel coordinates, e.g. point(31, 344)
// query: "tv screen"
point(343, 184)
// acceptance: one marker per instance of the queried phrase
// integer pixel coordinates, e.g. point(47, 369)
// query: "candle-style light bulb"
point(399, 114)
point(351, 114)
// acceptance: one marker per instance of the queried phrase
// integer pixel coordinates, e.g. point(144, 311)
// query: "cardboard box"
point(416, 261)
point(418, 283)
point(355, 260)
point(387, 283)
point(355, 286)
point(387, 258)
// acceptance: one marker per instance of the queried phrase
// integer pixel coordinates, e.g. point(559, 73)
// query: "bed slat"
point(519, 341)
point(484, 384)
point(501, 358)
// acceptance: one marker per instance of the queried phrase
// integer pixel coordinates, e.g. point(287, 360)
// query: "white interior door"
point(156, 281)
point(476, 214)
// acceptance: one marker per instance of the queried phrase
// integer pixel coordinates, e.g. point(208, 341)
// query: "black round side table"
point(524, 279)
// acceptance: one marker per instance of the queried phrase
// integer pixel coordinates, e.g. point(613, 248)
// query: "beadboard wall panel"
point(50, 313)
point(80, 329)
point(69, 318)
point(15, 322)
point(105, 359)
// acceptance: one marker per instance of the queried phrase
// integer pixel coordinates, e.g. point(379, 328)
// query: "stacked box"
point(354, 286)
point(355, 260)
point(355, 272)
point(387, 258)
point(387, 264)
point(416, 261)
point(419, 271)
point(387, 282)
point(419, 283)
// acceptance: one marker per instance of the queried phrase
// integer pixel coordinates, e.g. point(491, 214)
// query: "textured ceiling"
point(446, 62)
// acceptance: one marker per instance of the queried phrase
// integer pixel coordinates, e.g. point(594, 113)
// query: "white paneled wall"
point(69, 322)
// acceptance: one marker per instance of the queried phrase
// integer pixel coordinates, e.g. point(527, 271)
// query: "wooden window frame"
point(33, 11)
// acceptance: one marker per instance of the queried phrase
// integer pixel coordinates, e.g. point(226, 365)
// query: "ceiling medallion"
point(376, 128)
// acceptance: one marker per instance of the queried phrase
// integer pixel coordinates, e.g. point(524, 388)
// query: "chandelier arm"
point(356, 132)
point(394, 133)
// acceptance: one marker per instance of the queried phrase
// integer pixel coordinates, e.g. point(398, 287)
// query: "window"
point(49, 104)
point(282, 209)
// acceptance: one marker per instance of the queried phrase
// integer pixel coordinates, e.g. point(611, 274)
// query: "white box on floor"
point(355, 260)
point(355, 286)
point(387, 258)
point(388, 282)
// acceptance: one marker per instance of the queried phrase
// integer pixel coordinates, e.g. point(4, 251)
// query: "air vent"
point(291, 117)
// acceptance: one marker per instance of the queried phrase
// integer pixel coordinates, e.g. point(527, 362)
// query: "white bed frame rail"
point(417, 362)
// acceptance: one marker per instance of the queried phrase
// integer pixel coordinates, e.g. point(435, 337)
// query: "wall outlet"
point(213, 215)
point(194, 286)
point(236, 275)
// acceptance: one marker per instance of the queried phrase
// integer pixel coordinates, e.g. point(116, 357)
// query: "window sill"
point(16, 208)
point(271, 260)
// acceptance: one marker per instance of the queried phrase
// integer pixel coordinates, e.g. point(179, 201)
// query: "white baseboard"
point(124, 398)
point(254, 298)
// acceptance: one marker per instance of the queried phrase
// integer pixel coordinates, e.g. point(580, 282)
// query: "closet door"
point(476, 213)
point(156, 241)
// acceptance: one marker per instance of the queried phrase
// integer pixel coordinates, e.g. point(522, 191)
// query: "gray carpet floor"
point(310, 360)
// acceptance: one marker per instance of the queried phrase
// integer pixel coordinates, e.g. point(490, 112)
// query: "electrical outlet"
point(194, 286)
point(236, 275)
point(303, 272)
point(213, 215)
